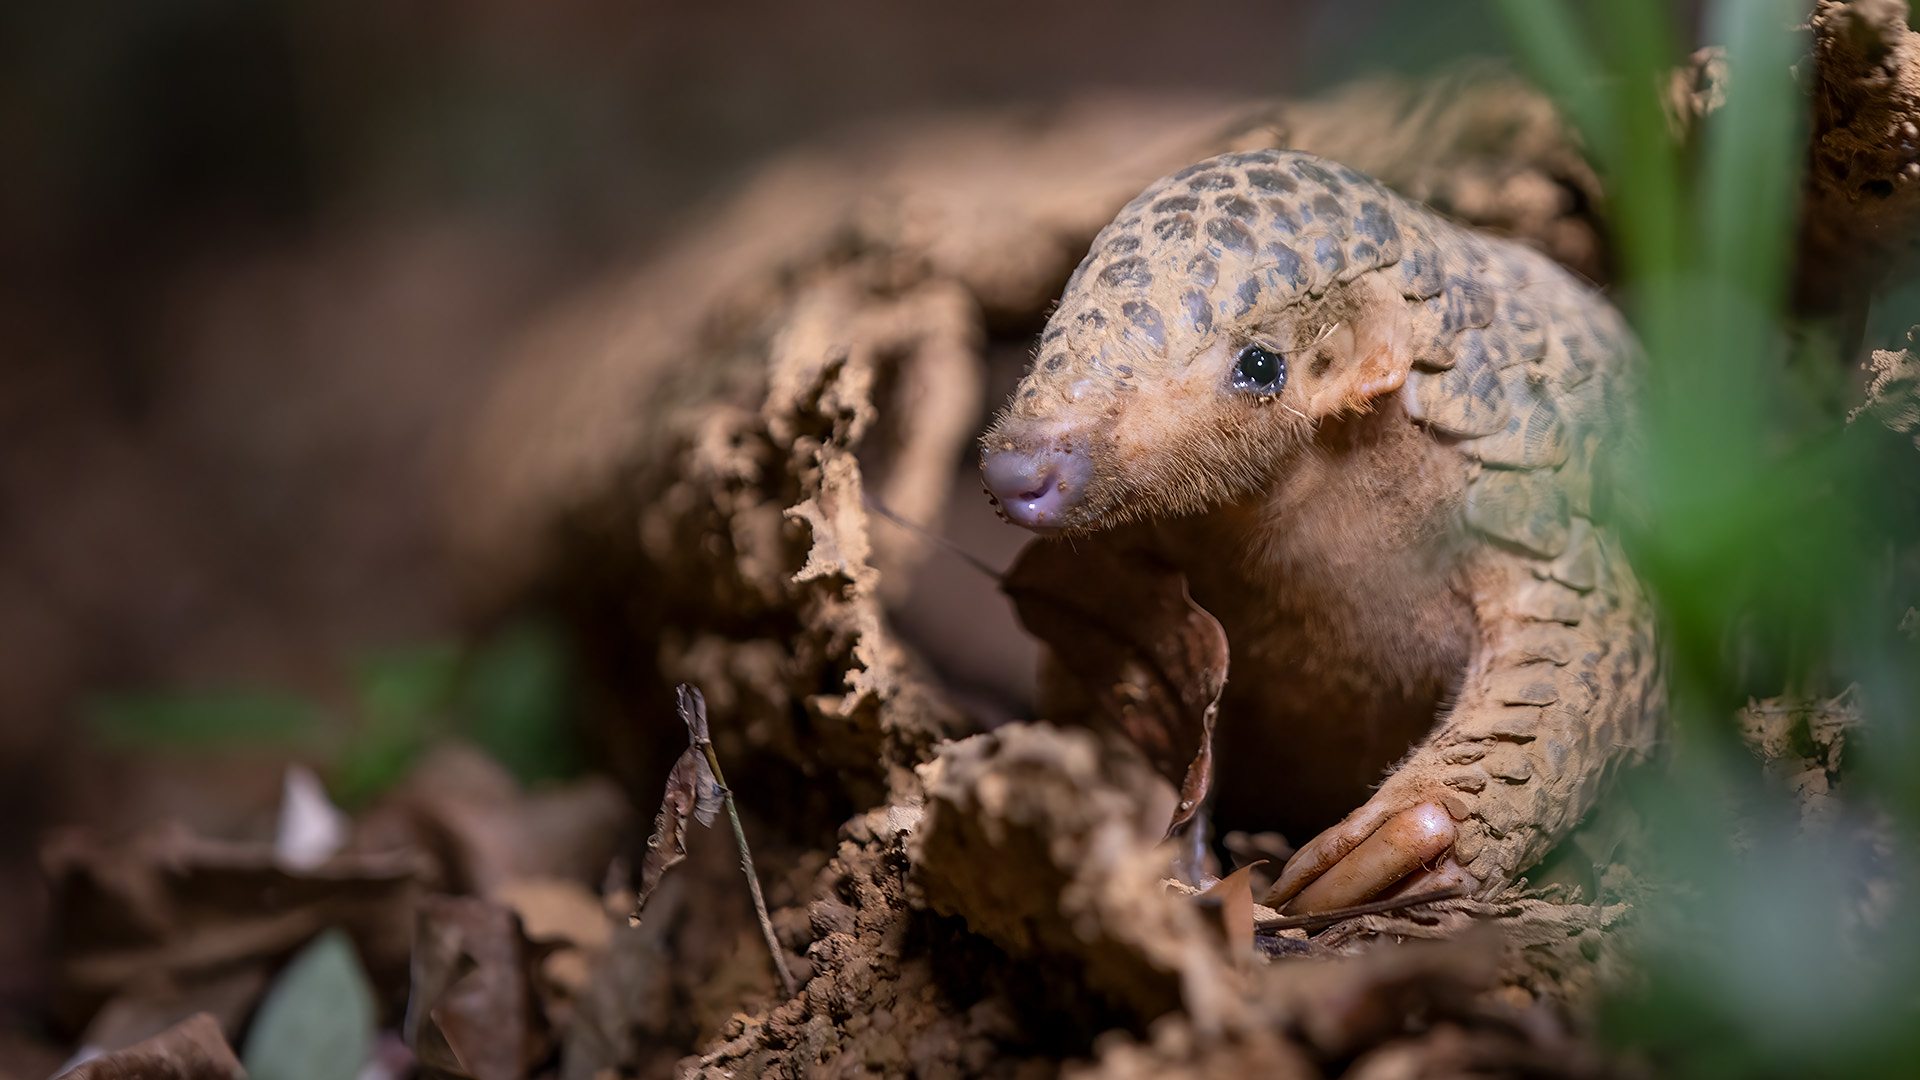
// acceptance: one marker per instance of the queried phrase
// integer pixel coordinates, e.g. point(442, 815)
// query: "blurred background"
point(257, 260)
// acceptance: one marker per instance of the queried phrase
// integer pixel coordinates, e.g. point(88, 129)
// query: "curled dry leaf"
point(707, 792)
point(193, 1049)
point(1232, 898)
point(472, 1012)
point(691, 791)
point(1152, 661)
point(692, 705)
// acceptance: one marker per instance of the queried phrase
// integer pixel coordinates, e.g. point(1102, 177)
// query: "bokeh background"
point(257, 260)
point(259, 257)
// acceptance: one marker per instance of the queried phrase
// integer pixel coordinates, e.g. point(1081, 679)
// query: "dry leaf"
point(1152, 660)
point(1232, 897)
point(569, 922)
point(164, 905)
point(193, 1049)
point(691, 791)
point(667, 845)
point(481, 830)
point(707, 792)
point(150, 1007)
point(472, 1011)
point(692, 705)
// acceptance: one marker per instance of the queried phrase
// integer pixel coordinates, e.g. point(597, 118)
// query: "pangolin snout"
point(1036, 484)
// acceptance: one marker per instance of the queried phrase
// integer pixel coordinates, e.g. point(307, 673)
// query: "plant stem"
point(746, 867)
point(1376, 907)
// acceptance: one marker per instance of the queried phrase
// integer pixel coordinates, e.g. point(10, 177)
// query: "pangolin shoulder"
point(1504, 369)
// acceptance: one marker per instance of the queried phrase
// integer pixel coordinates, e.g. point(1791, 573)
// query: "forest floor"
point(703, 467)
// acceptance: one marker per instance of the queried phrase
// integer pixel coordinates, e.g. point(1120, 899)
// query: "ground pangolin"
point(1372, 439)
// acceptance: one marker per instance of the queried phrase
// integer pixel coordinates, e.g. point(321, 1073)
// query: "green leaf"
point(1552, 46)
point(404, 698)
point(1755, 145)
point(203, 720)
point(1779, 553)
point(408, 684)
point(317, 1022)
point(516, 701)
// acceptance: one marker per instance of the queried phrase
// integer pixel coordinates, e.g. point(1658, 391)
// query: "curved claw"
point(1363, 856)
point(1449, 875)
point(1320, 853)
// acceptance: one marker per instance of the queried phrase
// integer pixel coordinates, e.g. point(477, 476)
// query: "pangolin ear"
point(1382, 345)
point(1379, 353)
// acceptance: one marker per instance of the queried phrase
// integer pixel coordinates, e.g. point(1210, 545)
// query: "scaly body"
point(1371, 439)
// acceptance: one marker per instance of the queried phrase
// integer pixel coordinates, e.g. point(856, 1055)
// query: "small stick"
point(880, 509)
point(1372, 907)
point(746, 867)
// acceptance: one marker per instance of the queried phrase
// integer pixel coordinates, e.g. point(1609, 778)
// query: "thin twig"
point(746, 867)
point(874, 504)
point(1373, 907)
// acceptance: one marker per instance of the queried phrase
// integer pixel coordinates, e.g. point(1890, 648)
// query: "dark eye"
point(1259, 370)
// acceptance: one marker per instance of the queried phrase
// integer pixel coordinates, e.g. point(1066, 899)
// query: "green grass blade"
point(1549, 42)
point(1754, 147)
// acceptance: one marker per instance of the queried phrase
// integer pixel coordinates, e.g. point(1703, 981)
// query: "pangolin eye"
point(1259, 370)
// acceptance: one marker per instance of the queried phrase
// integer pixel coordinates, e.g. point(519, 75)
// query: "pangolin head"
point(1195, 342)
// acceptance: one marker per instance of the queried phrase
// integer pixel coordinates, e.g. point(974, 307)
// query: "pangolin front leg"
point(1559, 695)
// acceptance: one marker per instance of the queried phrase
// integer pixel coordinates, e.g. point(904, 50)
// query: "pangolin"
point(1373, 440)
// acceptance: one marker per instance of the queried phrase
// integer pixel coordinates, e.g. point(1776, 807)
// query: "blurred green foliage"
point(515, 700)
point(402, 705)
point(199, 720)
point(1771, 535)
point(511, 694)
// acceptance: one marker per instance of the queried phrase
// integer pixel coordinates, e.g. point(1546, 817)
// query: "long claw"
point(1407, 841)
point(1448, 875)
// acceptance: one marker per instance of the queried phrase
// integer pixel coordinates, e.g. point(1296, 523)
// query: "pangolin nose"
point(1036, 488)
